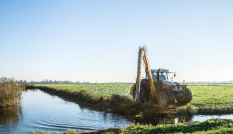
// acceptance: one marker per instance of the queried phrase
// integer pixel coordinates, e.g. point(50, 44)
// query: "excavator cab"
point(163, 74)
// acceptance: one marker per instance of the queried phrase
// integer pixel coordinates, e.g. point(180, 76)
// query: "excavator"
point(157, 86)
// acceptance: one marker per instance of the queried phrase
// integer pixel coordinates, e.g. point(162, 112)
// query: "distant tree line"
point(45, 81)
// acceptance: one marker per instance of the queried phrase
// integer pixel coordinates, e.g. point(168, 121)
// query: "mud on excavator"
point(156, 85)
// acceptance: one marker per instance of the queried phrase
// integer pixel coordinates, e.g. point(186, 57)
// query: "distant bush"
point(10, 92)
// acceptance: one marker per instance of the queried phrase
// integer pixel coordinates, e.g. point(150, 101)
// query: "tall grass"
point(10, 92)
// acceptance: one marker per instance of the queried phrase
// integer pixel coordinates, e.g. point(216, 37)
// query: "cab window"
point(163, 76)
point(154, 76)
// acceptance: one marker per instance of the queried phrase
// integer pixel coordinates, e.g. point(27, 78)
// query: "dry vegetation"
point(10, 92)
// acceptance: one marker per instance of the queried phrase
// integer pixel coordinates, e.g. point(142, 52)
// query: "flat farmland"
point(214, 97)
point(96, 89)
point(218, 97)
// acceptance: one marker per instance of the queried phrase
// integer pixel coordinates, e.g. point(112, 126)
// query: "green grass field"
point(97, 89)
point(204, 97)
point(212, 96)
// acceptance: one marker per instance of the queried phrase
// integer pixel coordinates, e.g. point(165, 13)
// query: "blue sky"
point(98, 40)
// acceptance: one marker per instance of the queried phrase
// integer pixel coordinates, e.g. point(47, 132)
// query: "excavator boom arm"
point(148, 72)
point(142, 55)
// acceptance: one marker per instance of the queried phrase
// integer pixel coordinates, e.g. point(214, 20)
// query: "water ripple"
point(42, 111)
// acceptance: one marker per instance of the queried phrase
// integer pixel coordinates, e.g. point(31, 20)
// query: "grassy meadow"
point(213, 97)
point(96, 89)
point(206, 99)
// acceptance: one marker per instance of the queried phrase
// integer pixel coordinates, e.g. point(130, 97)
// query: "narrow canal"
point(41, 111)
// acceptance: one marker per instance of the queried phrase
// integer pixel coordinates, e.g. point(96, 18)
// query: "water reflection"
point(158, 119)
point(31, 90)
point(191, 118)
point(40, 110)
point(10, 117)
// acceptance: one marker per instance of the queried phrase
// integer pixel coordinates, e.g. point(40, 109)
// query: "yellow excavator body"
point(142, 55)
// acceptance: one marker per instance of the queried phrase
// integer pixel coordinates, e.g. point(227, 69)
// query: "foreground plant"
point(209, 126)
point(10, 92)
point(69, 131)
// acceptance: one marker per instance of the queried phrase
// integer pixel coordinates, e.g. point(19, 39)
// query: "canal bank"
point(47, 111)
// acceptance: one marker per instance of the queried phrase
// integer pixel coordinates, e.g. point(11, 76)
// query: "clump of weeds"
point(10, 92)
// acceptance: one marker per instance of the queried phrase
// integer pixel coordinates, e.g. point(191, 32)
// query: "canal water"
point(41, 111)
